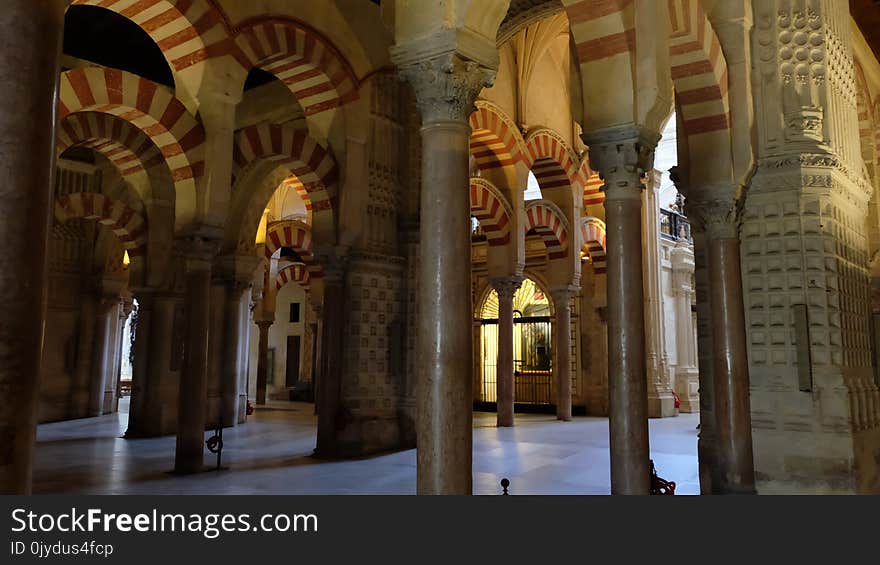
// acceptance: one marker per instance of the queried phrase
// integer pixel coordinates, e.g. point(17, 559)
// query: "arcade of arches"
point(405, 211)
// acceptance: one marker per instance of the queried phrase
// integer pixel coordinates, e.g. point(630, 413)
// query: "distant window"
point(294, 312)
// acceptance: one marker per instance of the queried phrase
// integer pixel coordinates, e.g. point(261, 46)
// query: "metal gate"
point(532, 360)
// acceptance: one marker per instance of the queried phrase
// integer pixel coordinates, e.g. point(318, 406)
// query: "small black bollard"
point(504, 484)
point(215, 443)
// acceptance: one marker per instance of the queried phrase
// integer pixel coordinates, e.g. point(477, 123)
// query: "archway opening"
point(532, 349)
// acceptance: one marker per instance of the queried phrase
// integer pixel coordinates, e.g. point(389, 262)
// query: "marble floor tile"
point(271, 454)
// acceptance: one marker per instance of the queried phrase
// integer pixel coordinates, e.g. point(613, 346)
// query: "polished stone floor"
point(271, 455)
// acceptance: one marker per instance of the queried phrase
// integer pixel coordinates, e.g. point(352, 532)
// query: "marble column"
point(112, 385)
point(686, 373)
point(621, 156)
point(217, 349)
point(234, 353)
point(138, 405)
point(733, 427)
point(29, 71)
point(192, 399)
point(102, 352)
point(506, 288)
point(328, 399)
point(88, 311)
point(562, 350)
point(705, 355)
point(160, 391)
point(706, 358)
point(318, 348)
point(661, 402)
point(263, 360)
point(445, 87)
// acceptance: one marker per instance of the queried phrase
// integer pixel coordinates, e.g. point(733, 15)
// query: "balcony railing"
point(674, 226)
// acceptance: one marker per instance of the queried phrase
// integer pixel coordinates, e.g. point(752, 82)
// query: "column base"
point(661, 405)
point(687, 385)
point(359, 434)
point(242, 408)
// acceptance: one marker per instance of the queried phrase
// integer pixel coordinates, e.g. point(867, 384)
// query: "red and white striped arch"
point(591, 182)
point(297, 272)
point(601, 29)
point(548, 221)
point(593, 235)
point(296, 236)
point(128, 225)
point(119, 141)
point(149, 107)
point(489, 206)
point(300, 57)
point(699, 70)
point(308, 160)
point(552, 161)
point(495, 140)
point(186, 31)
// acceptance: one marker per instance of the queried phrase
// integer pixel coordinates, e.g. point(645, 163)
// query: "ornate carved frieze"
point(812, 170)
point(446, 86)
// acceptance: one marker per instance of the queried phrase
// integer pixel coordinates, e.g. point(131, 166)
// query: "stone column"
point(234, 352)
point(112, 386)
point(28, 81)
point(138, 406)
point(445, 87)
point(621, 155)
point(733, 431)
point(217, 349)
point(506, 288)
point(661, 402)
point(318, 348)
point(193, 395)
point(686, 374)
point(160, 392)
point(86, 341)
point(562, 350)
point(263, 360)
point(328, 399)
point(102, 353)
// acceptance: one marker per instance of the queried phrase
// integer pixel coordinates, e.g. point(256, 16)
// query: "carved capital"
point(506, 287)
point(717, 218)
point(334, 262)
point(197, 250)
point(446, 86)
point(621, 155)
point(562, 295)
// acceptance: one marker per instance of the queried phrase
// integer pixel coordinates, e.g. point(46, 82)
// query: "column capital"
point(198, 251)
point(446, 86)
point(563, 294)
point(719, 218)
point(333, 263)
point(506, 287)
point(622, 155)
point(237, 270)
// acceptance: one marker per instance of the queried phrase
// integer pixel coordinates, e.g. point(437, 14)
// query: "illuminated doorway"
point(532, 348)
